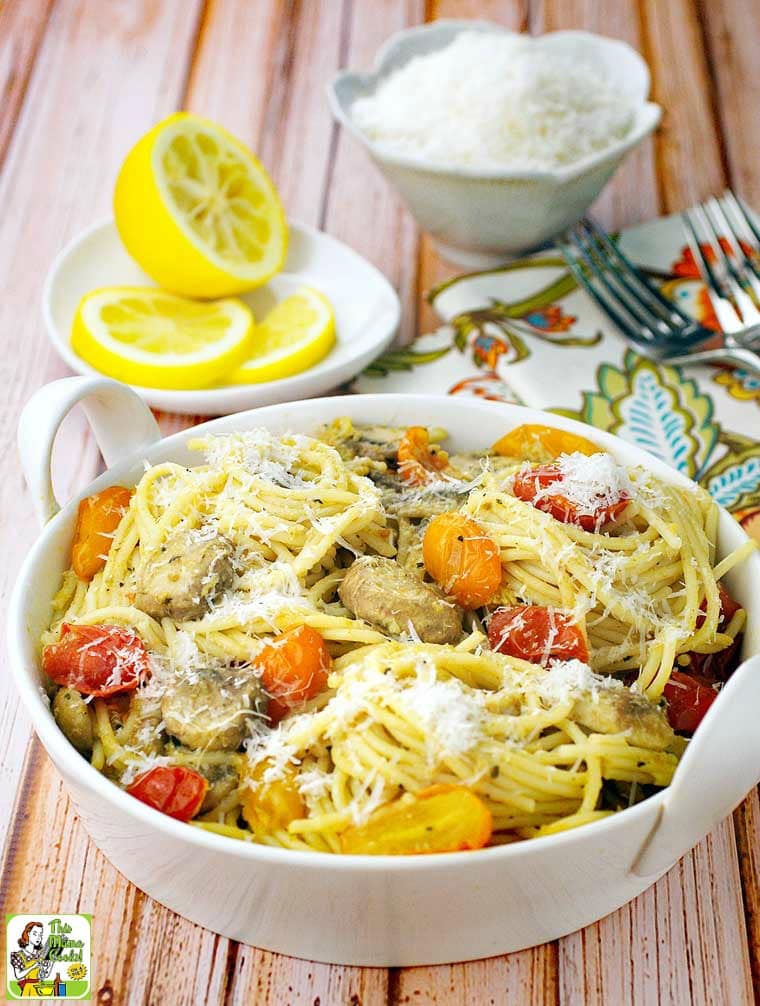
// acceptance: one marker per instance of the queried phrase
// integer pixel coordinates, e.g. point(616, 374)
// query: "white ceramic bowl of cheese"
point(480, 216)
point(370, 910)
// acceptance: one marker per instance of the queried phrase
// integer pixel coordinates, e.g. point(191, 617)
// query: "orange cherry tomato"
point(97, 519)
point(537, 634)
point(294, 667)
point(440, 818)
point(418, 459)
point(529, 485)
point(535, 442)
point(175, 790)
point(97, 660)
point(462, 559)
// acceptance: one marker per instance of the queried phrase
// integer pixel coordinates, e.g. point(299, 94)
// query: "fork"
point(731, 274)
point(658, 327)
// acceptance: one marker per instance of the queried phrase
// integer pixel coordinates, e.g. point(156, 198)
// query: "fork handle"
point(737, 355)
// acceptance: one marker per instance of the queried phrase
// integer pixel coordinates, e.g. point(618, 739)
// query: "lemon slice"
point(198, 212)
point(295, 335)
point(154, 339)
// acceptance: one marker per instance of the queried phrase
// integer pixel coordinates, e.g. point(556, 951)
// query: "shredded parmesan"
point(492, 99)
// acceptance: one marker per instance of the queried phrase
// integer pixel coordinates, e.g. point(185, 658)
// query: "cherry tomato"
point(537, 443)
point(271, 806)
point(97, 519)
point(97, 660)
point(462, 559)
point(442, 818)
point(175, 790)
point(688, 701)
point(294, 667)
point(418, 459)
point(715, 666)
point(537, 634)
point(529, 483)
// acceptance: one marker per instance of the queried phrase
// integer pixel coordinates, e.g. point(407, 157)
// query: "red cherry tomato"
point(294, 667)
point(537, 634)
point(97, 660)
point(173, 789)
point(529, 484)
point(688, 701)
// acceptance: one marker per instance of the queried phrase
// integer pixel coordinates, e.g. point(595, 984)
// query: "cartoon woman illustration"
point(29, 963)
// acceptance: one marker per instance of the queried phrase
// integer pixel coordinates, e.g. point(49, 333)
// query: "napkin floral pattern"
point(525, 333)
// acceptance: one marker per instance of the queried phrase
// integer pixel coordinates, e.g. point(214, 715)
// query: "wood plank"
point(681, 941)
point(297, 130)
point(100, 78)
point(732, 48)
point(271, 980)
point(688, 143)
point(360, 207)
point(528, 978)
point(747, 825)
point(22, 23)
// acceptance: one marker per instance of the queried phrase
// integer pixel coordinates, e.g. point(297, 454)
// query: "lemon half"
point(157, 340)
point(295, 335)
point(198, 212)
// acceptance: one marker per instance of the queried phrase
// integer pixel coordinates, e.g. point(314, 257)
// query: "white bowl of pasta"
point(309, 734)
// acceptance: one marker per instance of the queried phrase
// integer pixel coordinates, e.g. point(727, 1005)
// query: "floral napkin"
point(525, 333)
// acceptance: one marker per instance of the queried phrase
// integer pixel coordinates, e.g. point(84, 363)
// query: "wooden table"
point(79, 82)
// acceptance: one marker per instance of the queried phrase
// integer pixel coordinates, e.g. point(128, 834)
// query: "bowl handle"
point(122, 423)
point(720, 766)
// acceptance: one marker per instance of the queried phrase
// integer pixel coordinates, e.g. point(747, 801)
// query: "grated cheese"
point(589, 482)
point(568, 678)
point(492, 99)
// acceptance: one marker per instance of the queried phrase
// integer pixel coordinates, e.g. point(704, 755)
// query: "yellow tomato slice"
point(534, 442)
point(270, 806)
point(437, 819)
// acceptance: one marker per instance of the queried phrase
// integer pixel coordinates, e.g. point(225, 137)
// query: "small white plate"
point(367, 313)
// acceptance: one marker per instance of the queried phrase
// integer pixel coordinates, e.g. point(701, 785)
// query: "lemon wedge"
point(297, 333)
point(157, 340)
point(198, 212)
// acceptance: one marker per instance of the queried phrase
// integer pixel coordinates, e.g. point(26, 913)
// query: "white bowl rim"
point(233, 397)
point(646, 115)
point(55, 741)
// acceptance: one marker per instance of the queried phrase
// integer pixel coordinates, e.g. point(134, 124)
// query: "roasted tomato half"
point(537, 634)
point(97, 660)
point(175, 790)
point(542, 487)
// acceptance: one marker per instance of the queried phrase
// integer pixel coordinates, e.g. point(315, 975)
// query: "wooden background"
point(79, 82)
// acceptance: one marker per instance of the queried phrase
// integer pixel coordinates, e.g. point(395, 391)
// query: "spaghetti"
point(221, 571)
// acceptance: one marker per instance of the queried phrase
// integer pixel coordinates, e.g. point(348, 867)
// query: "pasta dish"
point(356, 642)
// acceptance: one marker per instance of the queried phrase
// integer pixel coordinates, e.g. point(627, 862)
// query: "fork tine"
point(742, 214)
point(736, 275)
point(604, 272)
point(739, 222)
point(608, 305)
point(667, 308)
point(727, 317)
